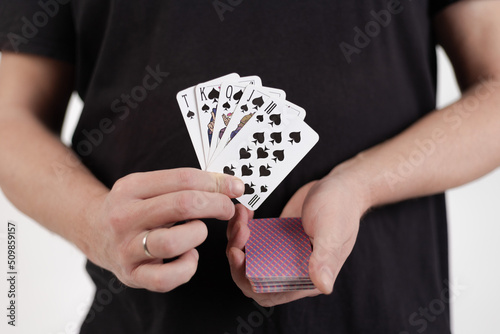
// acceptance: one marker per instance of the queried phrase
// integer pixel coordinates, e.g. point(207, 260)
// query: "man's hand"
point(108, 226)
point(238, 234)
point(154, 201)
point(331, 209)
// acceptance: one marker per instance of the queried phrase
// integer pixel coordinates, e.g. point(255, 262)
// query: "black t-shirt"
point(363, 70)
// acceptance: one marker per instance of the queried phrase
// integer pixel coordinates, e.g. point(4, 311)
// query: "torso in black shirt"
point(399, 264)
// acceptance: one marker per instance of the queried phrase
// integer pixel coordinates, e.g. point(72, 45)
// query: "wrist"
point(86, 231)
point(356, 180)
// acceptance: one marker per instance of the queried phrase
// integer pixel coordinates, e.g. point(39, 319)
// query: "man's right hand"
point(107, 225)
point(154, 201)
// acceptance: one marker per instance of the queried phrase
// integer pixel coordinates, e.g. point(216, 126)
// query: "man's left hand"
point(331, 209)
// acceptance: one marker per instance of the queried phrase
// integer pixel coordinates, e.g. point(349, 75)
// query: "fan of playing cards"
point(241, 128)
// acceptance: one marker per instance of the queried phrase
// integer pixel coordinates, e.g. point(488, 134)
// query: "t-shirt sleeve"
point(438, 5)
point(40, 27)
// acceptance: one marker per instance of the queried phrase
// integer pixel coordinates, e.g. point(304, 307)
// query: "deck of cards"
point(238, 127)
point(277, 255)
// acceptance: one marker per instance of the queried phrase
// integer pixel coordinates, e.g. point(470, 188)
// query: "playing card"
point(240, 128)
point(230, 94)
point(187, 103)
point(277, 255)
point(294, 109)
point(276, 92)
point(281, 288)
point(254, 99)
point(207, 97)
point(264, 153)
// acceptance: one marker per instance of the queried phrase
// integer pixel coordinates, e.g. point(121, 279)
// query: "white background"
point(55, 292)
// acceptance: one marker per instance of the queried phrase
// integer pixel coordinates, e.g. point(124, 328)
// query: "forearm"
point(44, 178)
point(445, 149)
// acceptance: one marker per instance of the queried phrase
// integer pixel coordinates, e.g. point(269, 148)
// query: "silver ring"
point(145, 245)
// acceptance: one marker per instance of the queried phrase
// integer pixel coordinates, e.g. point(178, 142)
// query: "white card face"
point(207, 98)
point(230, 94)
point(240, 128)
point(187, 103)
point(295, 110)
point(254, 100)
point(264, 153)
point(276, 92)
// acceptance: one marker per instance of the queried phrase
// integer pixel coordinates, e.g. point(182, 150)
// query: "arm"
point(445, 149)
point(459, 143)
point(33, 95)
point(107, 225)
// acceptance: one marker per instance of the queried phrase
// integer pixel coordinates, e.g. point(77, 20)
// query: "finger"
point(294, 206)
point(250, 213)
point(239, 231)
point(166, 243)
point(326, 258)
point(156, 183)
point(179, 206)
point(236, 259)
point(163, 277)
point(324, 265)
point(238, 212)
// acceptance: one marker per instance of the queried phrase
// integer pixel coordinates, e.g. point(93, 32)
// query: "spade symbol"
point(263, 189)
point(264, 171)
point(245, 153)
point(276, 137)
point(229, 170)
point(249, 188)
point(275, 119)
point(244, 108)
point(246, 170)
point(259, 137)
point(294, 137)
point(261, 153)
point(190, 114)
point(226, 106)
point(258, 102)
point(205, 108)
point(238, 95)
point(214, 95)
point(279, 155)
point(260, 118)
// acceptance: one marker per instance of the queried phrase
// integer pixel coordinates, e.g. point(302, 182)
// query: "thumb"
point(327, 245)
point(333, 225)
point(324, 264)
point(294, 206)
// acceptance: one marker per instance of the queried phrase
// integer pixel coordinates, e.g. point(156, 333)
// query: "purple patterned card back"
point(277, 249)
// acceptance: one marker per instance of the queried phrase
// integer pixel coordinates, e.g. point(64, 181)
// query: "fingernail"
point(327, 278)
point(237, 187)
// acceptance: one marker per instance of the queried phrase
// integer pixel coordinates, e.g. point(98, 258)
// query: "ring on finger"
point(145, 245)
